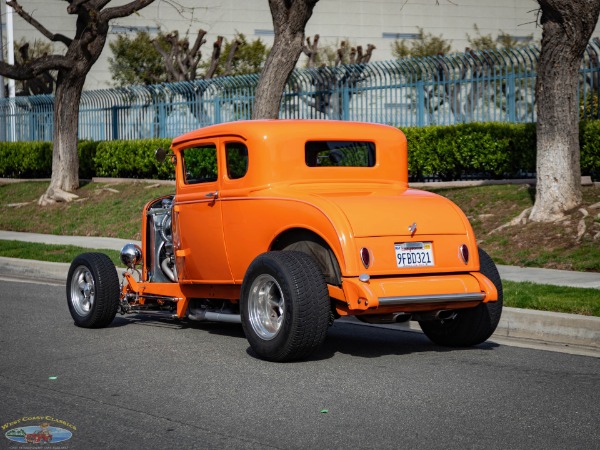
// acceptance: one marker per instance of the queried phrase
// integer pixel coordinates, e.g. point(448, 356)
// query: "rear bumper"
point(420, 299)
point(412, 293)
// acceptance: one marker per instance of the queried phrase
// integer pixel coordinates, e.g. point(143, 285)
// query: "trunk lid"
point(411, 212)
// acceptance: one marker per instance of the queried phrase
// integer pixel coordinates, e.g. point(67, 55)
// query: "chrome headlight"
point(131, 255)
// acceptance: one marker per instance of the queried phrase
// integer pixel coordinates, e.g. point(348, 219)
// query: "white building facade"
point(361, 22)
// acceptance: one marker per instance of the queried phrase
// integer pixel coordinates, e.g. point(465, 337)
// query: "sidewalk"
point(511, 273)
point(100, 243)
point(566, 330)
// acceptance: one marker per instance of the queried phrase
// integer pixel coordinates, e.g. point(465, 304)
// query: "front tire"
point(93, 290)
point(470, 326)
point(284, 305)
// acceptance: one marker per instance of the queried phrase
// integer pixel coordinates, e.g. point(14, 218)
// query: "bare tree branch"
point(168, 57)
point(200, 41)
point(54, 37)
point(34, 67)
point(311, 50)
point(124, 10)
point(341, 52)
point(367, 56)
point(74, 5)
point(214, 60)
point(229, 63)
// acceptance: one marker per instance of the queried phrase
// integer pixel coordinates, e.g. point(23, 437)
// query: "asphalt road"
point(163, 384)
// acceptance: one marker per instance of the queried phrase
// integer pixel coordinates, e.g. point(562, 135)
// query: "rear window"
point(340, 154)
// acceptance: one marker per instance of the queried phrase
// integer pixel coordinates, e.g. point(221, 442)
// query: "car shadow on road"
point(355, 339)
point(366, 341)
point(219, 328)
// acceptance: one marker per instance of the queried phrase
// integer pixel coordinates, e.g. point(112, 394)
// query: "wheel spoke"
point(266, 304)
point(274, 304)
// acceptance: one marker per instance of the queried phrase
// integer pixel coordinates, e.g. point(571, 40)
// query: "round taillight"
point(463, 251)
point(365, 257)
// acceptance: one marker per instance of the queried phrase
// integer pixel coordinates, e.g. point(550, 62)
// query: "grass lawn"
point(552, 298)
point(114, 210)
point(46, 252)
point(108, 210)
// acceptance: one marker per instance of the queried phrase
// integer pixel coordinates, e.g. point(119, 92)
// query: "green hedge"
point(128, 159)
point(589, 141)
point(132, 159)
point(34, 159)
point(87, 152)
point(25, 159)
point(491, 150)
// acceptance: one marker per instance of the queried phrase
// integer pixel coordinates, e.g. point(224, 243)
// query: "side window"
point(200, 164)
point(236, 156)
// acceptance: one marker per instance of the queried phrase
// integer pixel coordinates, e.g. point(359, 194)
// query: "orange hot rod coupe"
point(286, 225)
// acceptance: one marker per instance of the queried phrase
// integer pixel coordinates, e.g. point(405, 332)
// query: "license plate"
point(414, 254)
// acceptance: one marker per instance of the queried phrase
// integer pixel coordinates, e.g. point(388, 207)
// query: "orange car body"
point(384, 247)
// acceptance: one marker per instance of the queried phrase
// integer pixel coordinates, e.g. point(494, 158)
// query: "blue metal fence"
point(440, 90)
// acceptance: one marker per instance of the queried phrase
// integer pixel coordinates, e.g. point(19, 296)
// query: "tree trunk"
point(65, 160)
point(567, 27)
point(289, 21)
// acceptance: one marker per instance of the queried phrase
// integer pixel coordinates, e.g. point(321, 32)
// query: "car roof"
point(289, 129)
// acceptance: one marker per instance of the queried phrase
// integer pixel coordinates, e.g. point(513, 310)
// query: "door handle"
point(213, 195)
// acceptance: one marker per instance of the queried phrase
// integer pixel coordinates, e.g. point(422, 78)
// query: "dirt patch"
point(571, 244)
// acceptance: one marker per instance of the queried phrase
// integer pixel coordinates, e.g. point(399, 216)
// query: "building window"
point(519, 38)
point(400, 35)
point(133, 29)
point(260, 32)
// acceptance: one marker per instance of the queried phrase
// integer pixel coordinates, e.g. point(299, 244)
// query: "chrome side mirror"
point(160, 154)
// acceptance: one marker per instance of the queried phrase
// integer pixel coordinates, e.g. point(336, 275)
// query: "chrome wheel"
point(266, 306)
point(83, 292)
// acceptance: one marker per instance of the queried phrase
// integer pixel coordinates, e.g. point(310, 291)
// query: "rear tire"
point(284, 306)
point(470, 326)
point(93, 290)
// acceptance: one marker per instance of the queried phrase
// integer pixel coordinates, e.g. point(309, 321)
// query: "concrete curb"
point(558, 328)
point(549, 327)
point(29, 269)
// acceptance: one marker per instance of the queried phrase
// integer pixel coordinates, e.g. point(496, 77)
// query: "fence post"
point(420, 103)
point(511, 97)
point(345, 102)
point(115, 122)
point(162, 119)
point(217, 102)
point(31, 124)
